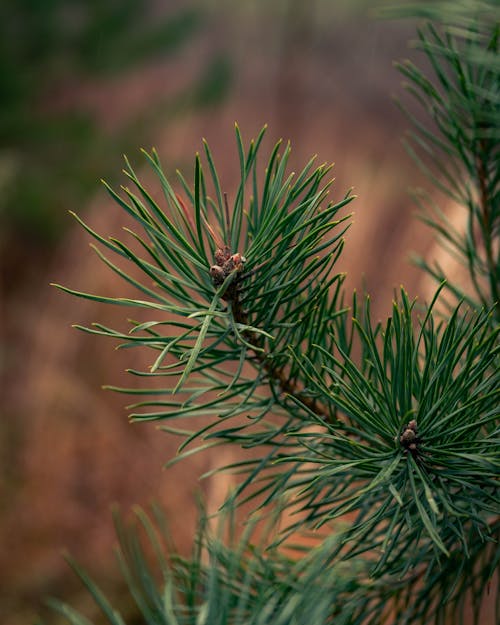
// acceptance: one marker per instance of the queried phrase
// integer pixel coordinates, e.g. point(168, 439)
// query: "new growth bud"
point(409, 438)
point(217, 275)
point(225, 264)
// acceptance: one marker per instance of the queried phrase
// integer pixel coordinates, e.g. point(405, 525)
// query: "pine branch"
point(394, 423)
point(239, 582)
point(391, 425)
point(278, 376)
point(261, 299)
point(456, 141)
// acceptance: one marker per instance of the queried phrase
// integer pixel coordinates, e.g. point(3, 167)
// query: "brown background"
point(319, 74)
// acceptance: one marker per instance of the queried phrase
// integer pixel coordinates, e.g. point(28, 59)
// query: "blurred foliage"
point(52, 153)
point(229, 578)
point(455, 141)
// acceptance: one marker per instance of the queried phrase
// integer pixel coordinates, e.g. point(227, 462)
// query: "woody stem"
point(275, 373)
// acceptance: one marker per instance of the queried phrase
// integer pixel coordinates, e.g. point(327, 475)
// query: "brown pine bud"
point(222, 255)
point(409, 439)
point(217, 274)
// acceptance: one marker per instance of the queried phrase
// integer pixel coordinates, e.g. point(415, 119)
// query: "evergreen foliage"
point(457, 141)
point(394, 423)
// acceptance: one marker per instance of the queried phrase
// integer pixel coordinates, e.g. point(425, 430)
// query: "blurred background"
point(82, 83)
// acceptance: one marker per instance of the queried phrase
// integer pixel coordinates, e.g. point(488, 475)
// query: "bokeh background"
point(81, 83)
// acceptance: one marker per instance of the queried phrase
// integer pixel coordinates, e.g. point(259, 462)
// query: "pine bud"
point(222, 255)
point(217, 274)
point(409, 439)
